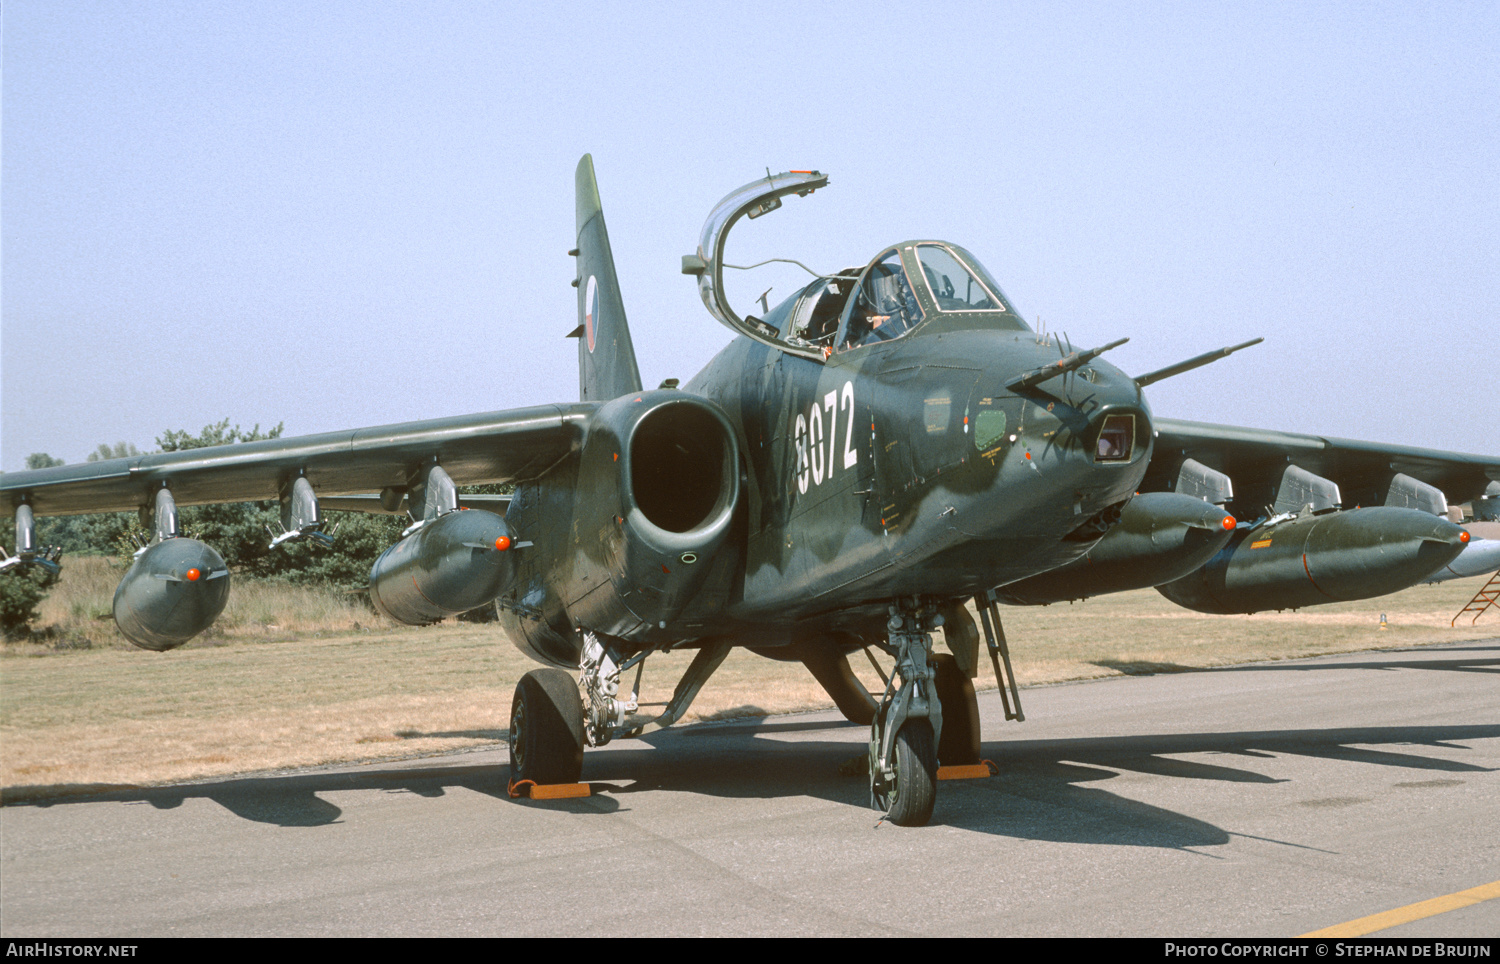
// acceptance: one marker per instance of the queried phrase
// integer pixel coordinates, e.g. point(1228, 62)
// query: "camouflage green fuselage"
point(891, 470)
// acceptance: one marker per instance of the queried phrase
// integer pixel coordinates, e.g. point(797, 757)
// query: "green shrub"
point(21, 590)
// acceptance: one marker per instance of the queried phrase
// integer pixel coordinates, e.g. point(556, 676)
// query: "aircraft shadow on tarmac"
point(1481, 657)
point(1050, 790)
point(1478, 657)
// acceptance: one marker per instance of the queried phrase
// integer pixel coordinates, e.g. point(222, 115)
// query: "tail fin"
point(606, 358)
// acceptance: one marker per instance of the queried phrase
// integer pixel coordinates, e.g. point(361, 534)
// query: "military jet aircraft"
point(886, 445)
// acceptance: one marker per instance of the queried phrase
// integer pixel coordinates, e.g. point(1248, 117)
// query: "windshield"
point(953, 287)
point(958, 282)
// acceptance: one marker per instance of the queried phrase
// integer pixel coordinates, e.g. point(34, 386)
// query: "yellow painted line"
point(1411, 912)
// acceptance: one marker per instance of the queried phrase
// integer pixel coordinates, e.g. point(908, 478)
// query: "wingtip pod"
point(173, 592)
point(1315, 559)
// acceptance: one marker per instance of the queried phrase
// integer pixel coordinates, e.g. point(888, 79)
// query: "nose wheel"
point(910, 791)
point(908, 720)
point(546, 728)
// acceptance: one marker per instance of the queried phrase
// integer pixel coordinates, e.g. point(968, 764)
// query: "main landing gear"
point(927, 713)
point(553, 715)
point(546, 729)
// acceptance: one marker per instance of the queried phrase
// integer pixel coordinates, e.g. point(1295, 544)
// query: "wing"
point(492, 447)
point(1256, 460)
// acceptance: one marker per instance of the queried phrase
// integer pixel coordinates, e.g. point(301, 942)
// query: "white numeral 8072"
point(808, 435)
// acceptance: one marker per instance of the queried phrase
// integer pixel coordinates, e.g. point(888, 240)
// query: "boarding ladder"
point(1482, 601)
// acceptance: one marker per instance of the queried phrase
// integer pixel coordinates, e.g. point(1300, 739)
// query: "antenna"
point(1071, 362)
point(1068, 376)
point(1196, 362)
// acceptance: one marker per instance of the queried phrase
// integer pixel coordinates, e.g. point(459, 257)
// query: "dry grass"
point(76, 614)
point(1143, 632)
point(293, 678)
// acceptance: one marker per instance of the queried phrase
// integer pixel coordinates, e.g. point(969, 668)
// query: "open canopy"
point(901, 287)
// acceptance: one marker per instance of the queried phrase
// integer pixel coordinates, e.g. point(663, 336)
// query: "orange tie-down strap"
point(970, 771)
point(549, 791)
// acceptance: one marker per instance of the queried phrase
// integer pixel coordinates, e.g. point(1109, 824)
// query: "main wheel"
point(546, 728)
point(915, 789)
point(959, 744)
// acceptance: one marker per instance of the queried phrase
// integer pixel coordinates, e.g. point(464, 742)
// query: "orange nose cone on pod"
point(1229, 522)
point(502, 543)
point(1463, 536)
point(192, 575)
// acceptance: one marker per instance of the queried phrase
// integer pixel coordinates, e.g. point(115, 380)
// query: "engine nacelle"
point(658, 482)
point(456, 562)
point(1161, 536)
point(1335, 557)
point(173, 592)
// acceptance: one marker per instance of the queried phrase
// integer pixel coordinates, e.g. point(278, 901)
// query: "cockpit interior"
point(880, 302)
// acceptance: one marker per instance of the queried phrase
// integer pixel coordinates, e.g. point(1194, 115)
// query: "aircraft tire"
point(546, 728)
point(915, 789)
point(959, 743)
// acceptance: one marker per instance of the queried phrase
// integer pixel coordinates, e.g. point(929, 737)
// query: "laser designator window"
point(953, 286)
point(1116, 439)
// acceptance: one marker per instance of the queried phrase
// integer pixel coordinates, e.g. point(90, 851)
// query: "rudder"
point(606, 358)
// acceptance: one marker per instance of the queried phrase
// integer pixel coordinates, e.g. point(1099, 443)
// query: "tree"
point(238, 531)
point(120, 450)
point(240, 528)
point(219, 434)
point(21, 590)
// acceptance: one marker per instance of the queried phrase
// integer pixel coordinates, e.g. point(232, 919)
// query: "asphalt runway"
point(1270, 799)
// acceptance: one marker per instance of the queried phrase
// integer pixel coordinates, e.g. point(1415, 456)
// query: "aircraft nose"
point(1115, 440)
point(1116, 445)
point(1119, 420)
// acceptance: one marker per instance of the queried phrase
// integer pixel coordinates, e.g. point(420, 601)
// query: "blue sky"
point(347, 214)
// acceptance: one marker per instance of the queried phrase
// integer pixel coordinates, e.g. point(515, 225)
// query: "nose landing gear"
point(908, 721)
